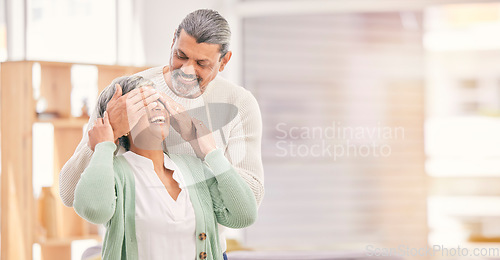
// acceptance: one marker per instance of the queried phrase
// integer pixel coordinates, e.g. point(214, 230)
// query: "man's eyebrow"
point(183, 54)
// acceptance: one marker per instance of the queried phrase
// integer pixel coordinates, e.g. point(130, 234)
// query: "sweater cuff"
point(86, 150)
point(217, 162)
point(105, 147)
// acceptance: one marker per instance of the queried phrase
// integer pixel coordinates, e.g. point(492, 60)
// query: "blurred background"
point(381, 119)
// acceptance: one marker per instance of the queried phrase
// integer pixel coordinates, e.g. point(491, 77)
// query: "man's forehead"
point(188, 46)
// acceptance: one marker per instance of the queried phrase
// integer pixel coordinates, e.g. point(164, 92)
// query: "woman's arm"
point(73, 168)
point(234, 202)
point(95, 197)
point(119, 108)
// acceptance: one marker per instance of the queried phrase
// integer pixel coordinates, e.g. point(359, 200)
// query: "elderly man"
point(200, 50)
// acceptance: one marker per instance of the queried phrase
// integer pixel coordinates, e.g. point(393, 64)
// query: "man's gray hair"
point(207, 26)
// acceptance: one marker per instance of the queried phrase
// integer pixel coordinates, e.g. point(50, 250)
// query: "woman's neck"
point(156, 156)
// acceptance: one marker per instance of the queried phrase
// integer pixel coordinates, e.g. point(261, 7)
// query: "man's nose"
point(188, 69)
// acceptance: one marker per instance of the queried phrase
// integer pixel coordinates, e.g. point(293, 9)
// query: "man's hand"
point(180, 120)
point(100, 132)
point(126, 110)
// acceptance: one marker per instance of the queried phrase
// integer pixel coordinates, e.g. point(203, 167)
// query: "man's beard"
point(183, 89)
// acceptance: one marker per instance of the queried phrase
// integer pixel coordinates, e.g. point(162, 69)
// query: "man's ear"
point(225, 60)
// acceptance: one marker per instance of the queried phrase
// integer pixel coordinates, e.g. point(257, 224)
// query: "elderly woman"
point(156, 205)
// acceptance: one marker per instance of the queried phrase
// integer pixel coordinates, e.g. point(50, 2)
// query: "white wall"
point(159, 21)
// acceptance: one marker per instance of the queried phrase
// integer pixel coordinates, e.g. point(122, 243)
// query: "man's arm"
point(244, 146)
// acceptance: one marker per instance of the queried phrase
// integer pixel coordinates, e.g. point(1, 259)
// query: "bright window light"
point(3, 33)
point(462, 27)
point(72, 30)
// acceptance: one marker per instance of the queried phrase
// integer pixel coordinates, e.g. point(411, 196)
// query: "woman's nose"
point(159, 108)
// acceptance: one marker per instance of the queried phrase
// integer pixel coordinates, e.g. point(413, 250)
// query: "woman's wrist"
point(196, 148)
point(217, 162)
point(201, 151)
point(206, 151)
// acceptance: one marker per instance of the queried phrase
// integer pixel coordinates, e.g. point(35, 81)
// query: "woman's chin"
point(151, 138)
point(159, 131)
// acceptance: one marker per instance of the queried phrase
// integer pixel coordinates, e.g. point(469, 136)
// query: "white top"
point(165, 228)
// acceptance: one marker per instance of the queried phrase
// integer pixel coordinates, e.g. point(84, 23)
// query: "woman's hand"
point(101, 131)
point(180, 120)
point(205, 142)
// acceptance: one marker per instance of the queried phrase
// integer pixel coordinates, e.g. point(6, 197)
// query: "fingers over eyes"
point(139, 109)
point(147, 96)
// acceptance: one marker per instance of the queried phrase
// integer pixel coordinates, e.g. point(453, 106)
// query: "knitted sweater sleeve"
point(234, 202)
point(244, 145)
point(95, 197)
point(73, 168)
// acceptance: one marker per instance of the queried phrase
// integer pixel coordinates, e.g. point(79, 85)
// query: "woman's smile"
point(158, 120)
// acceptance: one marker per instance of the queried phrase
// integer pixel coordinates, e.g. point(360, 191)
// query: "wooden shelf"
point(73, 122)
point(18, 114)
point(67, 240)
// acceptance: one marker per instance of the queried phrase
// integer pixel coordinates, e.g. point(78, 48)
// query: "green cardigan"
point(105, 194)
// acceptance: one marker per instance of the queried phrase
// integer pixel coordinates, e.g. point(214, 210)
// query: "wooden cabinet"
point(19, 223)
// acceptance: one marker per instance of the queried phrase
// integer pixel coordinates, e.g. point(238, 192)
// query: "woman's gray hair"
point(127, 83)
point(207, 26)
